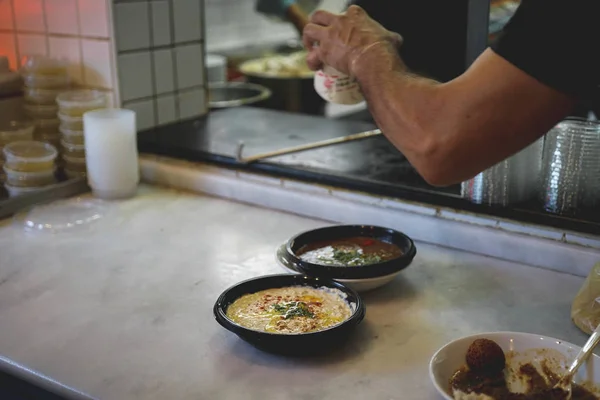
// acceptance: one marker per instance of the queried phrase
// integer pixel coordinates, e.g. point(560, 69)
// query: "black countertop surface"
point(372, 165)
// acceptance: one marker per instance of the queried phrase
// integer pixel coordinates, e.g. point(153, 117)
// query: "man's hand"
point(341, 41)
point(276, 8)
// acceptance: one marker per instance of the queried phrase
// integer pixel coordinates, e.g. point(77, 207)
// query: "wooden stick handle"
point(308, 146)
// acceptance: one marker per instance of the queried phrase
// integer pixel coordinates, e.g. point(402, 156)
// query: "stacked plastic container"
point(11, 132)
point(45, 78)
point(72, 105)
point(29, 166)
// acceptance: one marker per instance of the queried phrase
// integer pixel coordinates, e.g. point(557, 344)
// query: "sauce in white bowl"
point(520, 348)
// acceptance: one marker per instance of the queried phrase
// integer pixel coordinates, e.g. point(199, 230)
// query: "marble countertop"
point(123, 310)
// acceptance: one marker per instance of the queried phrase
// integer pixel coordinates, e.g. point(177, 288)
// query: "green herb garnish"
point(352, 258)
point(293, 309)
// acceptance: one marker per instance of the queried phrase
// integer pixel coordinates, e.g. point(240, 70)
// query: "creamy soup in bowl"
point(350, 252)
point(289, 314)
point(291, 310)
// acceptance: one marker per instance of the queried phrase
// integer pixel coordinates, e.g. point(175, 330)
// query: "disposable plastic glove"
point(275, 8)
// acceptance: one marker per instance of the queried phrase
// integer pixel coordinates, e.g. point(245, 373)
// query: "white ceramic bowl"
point(451, 357)
point(360, 285)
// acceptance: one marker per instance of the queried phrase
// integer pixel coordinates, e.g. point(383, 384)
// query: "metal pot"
point(289, 93)
point(235, 94)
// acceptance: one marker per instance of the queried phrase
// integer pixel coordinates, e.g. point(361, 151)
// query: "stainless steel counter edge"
point(533, 245)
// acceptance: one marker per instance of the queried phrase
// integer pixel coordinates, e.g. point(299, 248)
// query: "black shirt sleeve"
point(557, 42)
point(434, 33)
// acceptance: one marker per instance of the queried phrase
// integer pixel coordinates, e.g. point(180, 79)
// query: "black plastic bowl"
point(388, 267)
point(289, 344)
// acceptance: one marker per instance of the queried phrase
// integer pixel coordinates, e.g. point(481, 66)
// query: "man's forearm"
point(448, 131)
point(404, 107)
point(451, 131)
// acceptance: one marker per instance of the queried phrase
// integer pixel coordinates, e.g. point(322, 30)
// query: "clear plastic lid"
point(30, 151)
point(30, 179)
point(88, 99)
point(14, 191)
point(74, 160)
point(63, 215)
point(69, 119)
point(72, 150)
point(44, 65)
point(71, 123)
point(71, 136)
point(23, 175)
point(47, 81)
point(38, 111)
point(72, 147)
point(70, 132)
point(16, 131)
point(42, 96)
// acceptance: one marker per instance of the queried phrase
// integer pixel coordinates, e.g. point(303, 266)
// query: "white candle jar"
point(111, 153)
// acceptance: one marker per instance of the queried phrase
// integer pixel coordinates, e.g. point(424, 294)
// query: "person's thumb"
point(313, 60)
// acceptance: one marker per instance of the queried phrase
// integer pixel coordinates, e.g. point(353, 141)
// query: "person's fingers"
point(354, 10)
point(313, 61)
point(312, 34)
point(322, 17)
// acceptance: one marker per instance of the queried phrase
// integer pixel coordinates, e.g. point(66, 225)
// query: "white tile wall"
point(96, 71)
point(135, 75)
point(32, 43)
point(61, 16)
point(87, 31)
point(160, 62)
point(132, 25)
point(189, 61)
point(190, 101)
point(165, 73)
point(149, 53)
point(187, 14)
point(6, 15)
point(76, 30)
point(91, 22)
point(161, 22)
point(29, 15)
point(235, 23)
point(68, 48)
point(144, 110)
